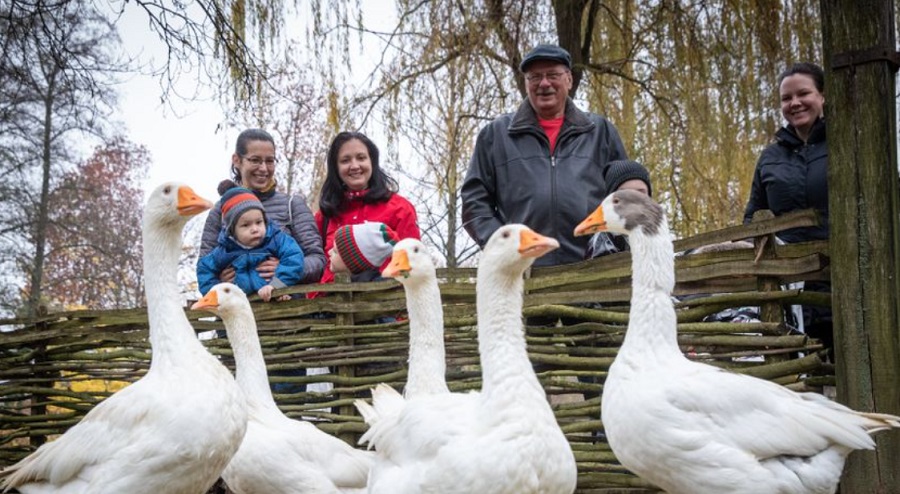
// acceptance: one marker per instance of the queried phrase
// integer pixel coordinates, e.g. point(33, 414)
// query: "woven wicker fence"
point(53, 369)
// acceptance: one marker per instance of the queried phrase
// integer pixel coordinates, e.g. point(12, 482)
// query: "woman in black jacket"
point(792, 173)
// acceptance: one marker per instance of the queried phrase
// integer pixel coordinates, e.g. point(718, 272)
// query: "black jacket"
point(792, 175)
point(513, 178)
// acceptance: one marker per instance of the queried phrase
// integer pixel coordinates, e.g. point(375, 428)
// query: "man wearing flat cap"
point(543, 165)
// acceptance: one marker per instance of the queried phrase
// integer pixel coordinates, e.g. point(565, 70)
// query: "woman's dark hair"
point(806, 68)
point(240, 147)
point(381, 186)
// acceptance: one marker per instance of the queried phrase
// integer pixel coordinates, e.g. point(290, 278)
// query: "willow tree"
point(691, 86)
point(692, 89)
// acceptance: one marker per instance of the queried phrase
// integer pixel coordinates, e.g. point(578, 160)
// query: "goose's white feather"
point(692, 428)
point(278, 455)
point(412, 266)
point(504, 440)
point(174, 430)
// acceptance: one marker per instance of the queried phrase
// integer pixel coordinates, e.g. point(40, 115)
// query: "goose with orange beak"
point(457, 443)
point(693, 428)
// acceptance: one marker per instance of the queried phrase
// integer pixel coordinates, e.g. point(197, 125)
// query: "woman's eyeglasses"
point(256, 160)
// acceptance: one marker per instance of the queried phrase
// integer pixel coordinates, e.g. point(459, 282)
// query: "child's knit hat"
point(364, 246)
point(620, 171)
point(235, 202)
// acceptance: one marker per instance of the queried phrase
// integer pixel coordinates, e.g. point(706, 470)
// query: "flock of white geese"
point(687, 427)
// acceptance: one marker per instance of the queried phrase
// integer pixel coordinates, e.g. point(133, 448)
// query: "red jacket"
point(397, 213)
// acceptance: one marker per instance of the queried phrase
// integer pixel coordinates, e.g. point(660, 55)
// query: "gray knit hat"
point(620, 171)
point(235, 202)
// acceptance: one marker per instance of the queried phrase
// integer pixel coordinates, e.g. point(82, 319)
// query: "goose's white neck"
point(652, 326)
point(427, 361)
point(251, 375)
point(171, 333)
point(506, 370)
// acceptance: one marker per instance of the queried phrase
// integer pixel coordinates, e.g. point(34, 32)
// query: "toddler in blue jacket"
point(246, 240)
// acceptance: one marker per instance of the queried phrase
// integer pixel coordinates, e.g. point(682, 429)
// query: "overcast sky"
point(187, 147)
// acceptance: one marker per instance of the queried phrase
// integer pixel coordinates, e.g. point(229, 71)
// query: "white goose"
point(504, 440)
point(691, 428)
point(279, 455)
point(412, 266)
point(174, 430)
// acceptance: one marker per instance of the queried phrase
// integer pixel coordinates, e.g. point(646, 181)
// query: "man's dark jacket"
point(513, 178)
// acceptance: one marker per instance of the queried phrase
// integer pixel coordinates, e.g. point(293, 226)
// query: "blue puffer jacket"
point(229, 253)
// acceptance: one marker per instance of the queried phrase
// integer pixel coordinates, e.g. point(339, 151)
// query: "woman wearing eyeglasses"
point(253, 166)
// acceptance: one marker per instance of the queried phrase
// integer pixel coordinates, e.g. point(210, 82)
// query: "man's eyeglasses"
point(256, 161)
point(550, 76)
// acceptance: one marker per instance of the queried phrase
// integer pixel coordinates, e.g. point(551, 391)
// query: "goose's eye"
point(615, 200)
point(506, 234)
point(168, 189)
point(416, 250)
point(227, 290)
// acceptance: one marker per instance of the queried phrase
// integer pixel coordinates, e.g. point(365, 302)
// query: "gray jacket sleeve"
point(306, 234)
point(211, 228)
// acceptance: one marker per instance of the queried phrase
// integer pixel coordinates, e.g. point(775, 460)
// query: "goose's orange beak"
point(533, 244)
point(399, 265)
point(189, 203)
point(594, 223)
point(209, 302)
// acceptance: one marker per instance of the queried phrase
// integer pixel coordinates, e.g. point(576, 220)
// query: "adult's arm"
point(207, 274)
point(758, 199)
point(306, 233)
point(616, 146)
point(479, 207)
point(291, 263)
point(406, 221)
point(210, 238)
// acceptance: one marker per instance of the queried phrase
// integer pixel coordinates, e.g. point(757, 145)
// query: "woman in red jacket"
point(357, 190)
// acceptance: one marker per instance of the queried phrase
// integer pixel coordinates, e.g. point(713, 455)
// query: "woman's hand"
point(227, 275)
point(266, 269)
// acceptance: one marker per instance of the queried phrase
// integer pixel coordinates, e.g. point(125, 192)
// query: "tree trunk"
point(865, 235)
point(41, 222)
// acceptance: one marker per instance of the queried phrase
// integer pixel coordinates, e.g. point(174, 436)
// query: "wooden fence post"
point(345, 319)
point(764, 247)
point(864, 203)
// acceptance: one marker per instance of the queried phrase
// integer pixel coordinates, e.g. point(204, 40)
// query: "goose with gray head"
point(278, 455)
point(175, 429)
point(691, 428)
